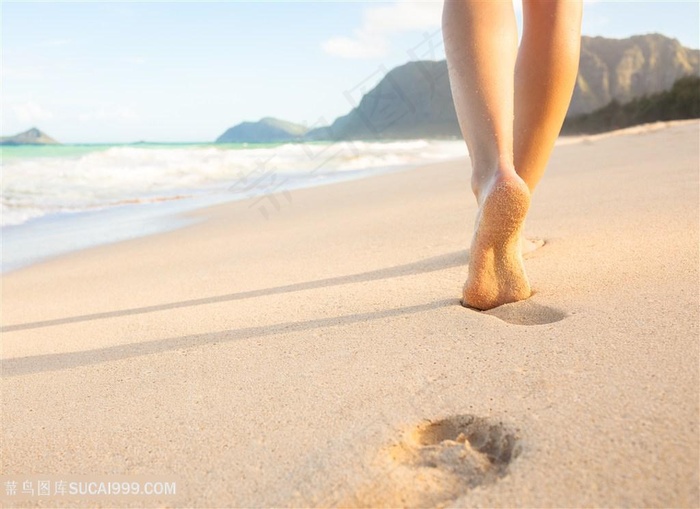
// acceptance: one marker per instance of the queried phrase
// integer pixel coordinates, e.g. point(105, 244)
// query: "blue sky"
point(122, 72)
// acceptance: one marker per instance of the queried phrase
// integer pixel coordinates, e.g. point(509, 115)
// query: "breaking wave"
point(70, 180)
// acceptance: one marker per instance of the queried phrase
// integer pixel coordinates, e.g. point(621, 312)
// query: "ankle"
point(483, 178)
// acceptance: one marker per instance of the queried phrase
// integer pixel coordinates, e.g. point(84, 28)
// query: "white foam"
point(36, 186)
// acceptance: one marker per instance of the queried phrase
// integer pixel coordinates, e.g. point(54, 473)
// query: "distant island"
point(31, 137)
point(266, 130)
point(414, 100)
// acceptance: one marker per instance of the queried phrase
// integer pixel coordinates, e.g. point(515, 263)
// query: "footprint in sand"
point(527, 312)
point(437, 462)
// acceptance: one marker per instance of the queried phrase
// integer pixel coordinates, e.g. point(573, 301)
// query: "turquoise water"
point(74, 149)
point(15, 152)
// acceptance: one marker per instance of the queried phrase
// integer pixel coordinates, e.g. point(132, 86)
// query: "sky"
point(90, 72)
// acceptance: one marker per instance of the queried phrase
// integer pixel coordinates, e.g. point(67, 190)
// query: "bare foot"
point(496, 272)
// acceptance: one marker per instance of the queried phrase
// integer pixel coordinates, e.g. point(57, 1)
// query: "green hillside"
point(682, 101)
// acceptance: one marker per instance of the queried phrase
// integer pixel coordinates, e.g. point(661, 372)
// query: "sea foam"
point(35, 185)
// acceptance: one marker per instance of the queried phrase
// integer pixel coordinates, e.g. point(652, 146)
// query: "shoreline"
point(61, 234)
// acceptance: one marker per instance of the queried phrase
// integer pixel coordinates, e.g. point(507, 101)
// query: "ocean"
point(61, 198)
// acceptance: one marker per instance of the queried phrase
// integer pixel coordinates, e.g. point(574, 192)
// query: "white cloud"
point(362, 46)
point(110, 113)
point(30, 112)
point(371, 40)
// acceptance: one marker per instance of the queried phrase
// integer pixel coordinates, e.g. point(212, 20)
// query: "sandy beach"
point(320, 356)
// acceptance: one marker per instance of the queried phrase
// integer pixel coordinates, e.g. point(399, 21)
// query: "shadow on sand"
point(521, 313)
point(59, 361)
point(446, 261)
point(54, 362)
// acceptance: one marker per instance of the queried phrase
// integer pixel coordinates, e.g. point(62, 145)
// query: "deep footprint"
point(437, 462)
point(527, 312)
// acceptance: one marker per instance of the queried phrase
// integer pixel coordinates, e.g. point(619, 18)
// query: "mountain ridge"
point(265, 130)
point(414, 100)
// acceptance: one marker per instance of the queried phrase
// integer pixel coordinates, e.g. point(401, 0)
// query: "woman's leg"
point(510, 116)
point(545, 75)
point(481, 47)
point(481, 44)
